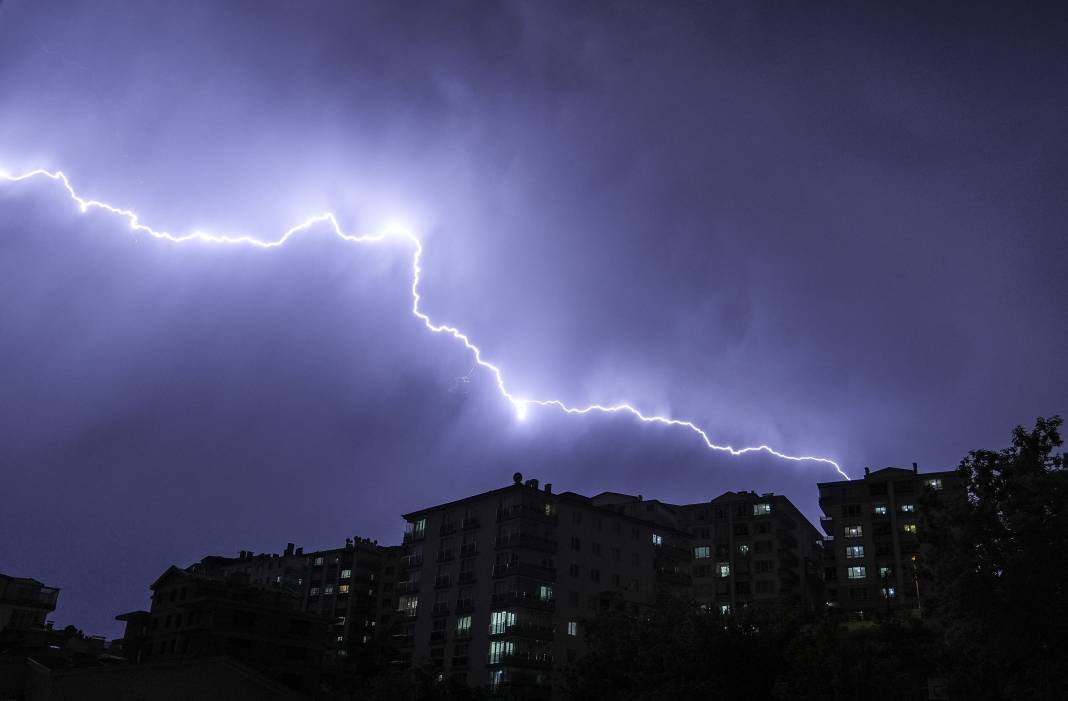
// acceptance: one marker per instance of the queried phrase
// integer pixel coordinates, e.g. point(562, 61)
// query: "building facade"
point(25, 603)
point(872, 543)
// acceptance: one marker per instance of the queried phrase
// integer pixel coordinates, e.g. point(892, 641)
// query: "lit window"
point(855, 551)
point(761, 509)
point(910, 528)
point(702, 551)
point(341, 638)
point(572, 628)
point(723, 569)
point(345, 574)
point(889, 592)
point(725, 609)
point(908, 508)
point(934, 483)
point(880, 511)
point(318, 561)
point(743, 549)
point(314, 591)
point(408, 605)
point(419, 528)
point(500, 649)
point(854, 531)
point(658, 539)
point(343, 589)
point(885, 572)
point(463, 626)
point(545, 592)
point(859, 572)
point(328, 589)
point(500, 620)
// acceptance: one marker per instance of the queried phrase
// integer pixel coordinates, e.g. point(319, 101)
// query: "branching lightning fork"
point(521, 405)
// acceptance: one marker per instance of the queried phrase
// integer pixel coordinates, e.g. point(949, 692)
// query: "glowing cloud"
point(521, 406)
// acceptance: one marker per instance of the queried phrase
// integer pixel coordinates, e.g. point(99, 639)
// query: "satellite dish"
point(517, 477)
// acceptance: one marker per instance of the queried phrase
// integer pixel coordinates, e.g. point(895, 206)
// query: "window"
point(576, 544)
point(419, 528)
point(885, 572)
point(909, 528)
point(343, 589)
point(765, 586)
point(762, 546)
point(573, 569)
point(854, 531)
point(408, 605)
point(463, 627)
point(658, 539)
point(857, 572)
point(314, 591)
point(763, 566)
point(880, 510)
point(328, 589)
point(545, 592)
point(499, 649)
point(908, 508)
point(500, 620)
point(345, 574)
point(595, 575)
point(854, 551)
point(761, 509)
point(616, 555)
point(723, 569)
point(724, 609)
point(851, 510)
point(318, 561)
point(743, 549)
point(889, 592)
point(933, 483)
point(858, 594)
point(572, 628)
point(741, 529)
point(701, 552)
point(596, 549)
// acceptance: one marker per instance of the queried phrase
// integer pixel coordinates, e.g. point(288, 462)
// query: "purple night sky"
point(841, 233)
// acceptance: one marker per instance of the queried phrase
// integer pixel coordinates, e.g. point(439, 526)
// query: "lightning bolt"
point(519, 404)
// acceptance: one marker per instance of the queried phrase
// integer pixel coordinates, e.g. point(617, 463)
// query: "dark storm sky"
point(840, 232)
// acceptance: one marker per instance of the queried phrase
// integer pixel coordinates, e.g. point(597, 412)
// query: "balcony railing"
point(523, 598)
point(442, 582)
point(524, 540)
point(444, 555)
point(535, 511)
point(678, 578)
point(530, 630)
point(530, 660)
point(408, 587)
point(524, 569)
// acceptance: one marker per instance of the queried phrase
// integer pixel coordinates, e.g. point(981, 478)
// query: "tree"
point(995, 567)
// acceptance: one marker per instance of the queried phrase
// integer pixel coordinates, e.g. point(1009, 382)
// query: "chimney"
point(867, 471)
point(548, 487)
point(289, 549)
point(915, 469)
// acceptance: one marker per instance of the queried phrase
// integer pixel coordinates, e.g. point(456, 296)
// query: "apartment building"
point(754, 549)
point(494, 586)
point(872, 540)
point(25, 603)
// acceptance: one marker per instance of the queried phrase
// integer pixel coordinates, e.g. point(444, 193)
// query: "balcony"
point(469, 523)
point(465, 606)
point(463, 634)
point(444, 556)
point(523, 598)
point(524, 569)
point(467, 577)
point(468, 549)
point(440, 609)
point(528, 660)
point(676, 578)
point(442, 582)
point(408, 587)
point(524, 540)
point(530, 630)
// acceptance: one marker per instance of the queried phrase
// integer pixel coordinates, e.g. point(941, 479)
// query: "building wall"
point(872, 538)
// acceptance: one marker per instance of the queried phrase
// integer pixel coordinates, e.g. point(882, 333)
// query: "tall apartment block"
point(495, 585)
point(872, 544)
point(754, 550)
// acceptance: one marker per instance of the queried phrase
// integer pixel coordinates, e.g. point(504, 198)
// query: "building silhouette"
point(494, 587)
point(872, 544)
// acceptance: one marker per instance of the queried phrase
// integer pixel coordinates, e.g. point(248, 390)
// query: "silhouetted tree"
point(996, 569)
